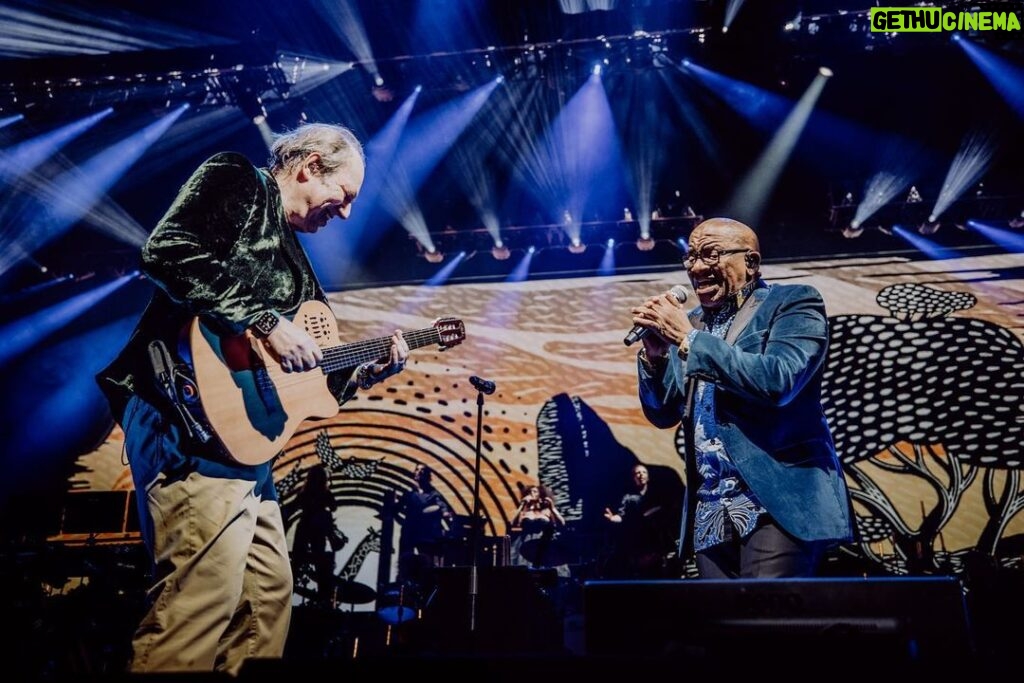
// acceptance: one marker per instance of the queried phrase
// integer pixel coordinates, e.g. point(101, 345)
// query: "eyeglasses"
point(710, 257)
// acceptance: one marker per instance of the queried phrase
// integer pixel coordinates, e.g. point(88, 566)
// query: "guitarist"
point(226, 251)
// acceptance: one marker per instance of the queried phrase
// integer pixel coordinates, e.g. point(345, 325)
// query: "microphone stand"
point(474, 522)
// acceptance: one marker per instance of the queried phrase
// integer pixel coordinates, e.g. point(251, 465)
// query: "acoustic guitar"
point(253, 407)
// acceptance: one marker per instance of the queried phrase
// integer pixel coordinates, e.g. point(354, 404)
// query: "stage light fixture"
point(433, 256)
point(851, 232)
point(577, 247)
point(825, 71)
point(928, 228)
point(500, 252)
point(645, 243)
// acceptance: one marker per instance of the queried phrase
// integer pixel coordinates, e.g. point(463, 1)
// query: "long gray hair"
point(335, 144)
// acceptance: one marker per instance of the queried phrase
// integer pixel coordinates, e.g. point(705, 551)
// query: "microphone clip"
point(482, 385)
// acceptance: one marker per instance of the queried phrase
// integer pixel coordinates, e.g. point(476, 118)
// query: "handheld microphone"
point(638, 331)
point(483, 385)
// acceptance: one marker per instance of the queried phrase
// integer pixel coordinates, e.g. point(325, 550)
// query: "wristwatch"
point(264, 323)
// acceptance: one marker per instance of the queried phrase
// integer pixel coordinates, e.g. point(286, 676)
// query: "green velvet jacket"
point(223, 251)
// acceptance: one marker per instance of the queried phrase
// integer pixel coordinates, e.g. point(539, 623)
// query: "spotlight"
point(433, 255)
point(852, 232)
point(885, 230)
point(913, 196)
point(929, 228)
point(500, 252)
point(825, 71)
point(645, 243)
point(577, 247)
point(378, 80)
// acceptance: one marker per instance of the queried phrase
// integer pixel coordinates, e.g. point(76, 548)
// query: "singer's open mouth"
point(705, 284)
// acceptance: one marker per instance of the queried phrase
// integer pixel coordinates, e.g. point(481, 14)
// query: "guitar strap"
point(178, 388)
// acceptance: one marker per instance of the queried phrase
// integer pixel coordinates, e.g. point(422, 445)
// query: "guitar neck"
point(350, 355)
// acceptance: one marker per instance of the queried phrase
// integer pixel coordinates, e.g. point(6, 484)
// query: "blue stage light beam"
point(8, 120)
point(761, 108)
point(22, 335)
point(345, 20)
point(881, 188)
point(732, 8)
point(1012, 241)
point(77, 190)
point(968, 166)
point(60, 412)
point(825, 138)
point(333, 251)
point(522, 269)
point(189, 137)
point(426, 141)
point(929, 248)
point(750, 198)
point(647, 135)
point(58, 28)
point(607, 265)
point(1007, 78)
point(18, 160)
point(442, 276)
point(468, 164)
point(306, 73)
point(577, 160)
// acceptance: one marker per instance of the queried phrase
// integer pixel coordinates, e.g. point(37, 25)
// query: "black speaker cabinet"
point(906, 619)
point(515, 611)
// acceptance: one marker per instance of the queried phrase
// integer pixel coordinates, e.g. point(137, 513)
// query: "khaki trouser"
point(223, 584)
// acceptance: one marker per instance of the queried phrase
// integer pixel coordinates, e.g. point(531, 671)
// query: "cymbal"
point(353, 592)
point(398, 604)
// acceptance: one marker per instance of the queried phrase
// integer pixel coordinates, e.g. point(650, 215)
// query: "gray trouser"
point(222, 586)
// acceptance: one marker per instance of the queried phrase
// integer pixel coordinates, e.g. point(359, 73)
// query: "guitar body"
point(254, 407)
point(250, 403)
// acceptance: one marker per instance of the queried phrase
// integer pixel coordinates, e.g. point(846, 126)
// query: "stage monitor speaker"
point(909, 619)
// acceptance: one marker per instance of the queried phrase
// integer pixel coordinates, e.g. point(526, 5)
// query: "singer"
point(741, 373)
point(226, 251)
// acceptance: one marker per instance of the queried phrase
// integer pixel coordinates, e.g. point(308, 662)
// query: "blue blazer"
point(767, 376)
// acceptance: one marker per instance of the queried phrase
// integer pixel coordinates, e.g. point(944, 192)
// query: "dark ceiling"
point(889, 97)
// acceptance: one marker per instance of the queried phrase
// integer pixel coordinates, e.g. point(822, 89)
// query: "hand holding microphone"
point(650, 313)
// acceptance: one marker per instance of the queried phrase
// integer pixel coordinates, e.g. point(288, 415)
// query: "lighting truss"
point(244, 76)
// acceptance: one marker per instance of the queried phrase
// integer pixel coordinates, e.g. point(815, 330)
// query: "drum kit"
point(397, 603)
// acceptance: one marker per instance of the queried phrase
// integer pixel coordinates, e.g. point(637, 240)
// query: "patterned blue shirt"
point(722, 494)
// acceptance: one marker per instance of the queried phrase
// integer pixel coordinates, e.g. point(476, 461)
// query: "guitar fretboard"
point(350, 355)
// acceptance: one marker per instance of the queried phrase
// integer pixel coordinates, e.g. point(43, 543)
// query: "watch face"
point(265, 324)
